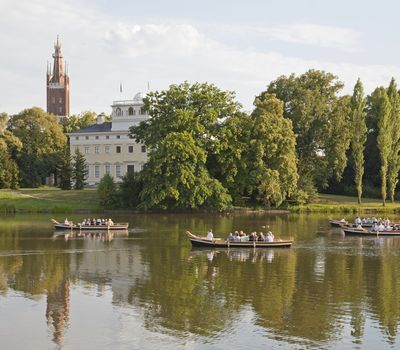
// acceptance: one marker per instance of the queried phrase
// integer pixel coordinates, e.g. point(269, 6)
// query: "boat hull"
point(92, 227)
point(359, 232)
point(200, 242)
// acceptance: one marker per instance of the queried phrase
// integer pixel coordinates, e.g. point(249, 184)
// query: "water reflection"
point(104, 236)
point(327, 291)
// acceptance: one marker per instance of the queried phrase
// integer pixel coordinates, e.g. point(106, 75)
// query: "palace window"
point(130, 149)
point(118, 170)
point(87, 148)
point(143, 149)
point(118, 149)
point(97, 137)
point(86, 137)
point(97, 171)
point(76, 137)
point(107, 149)
point(118, 136)
point(130, 111)
point(130, 168)
point(107, 137)
point(96, 149)
point(108, 169)
point(118, 112)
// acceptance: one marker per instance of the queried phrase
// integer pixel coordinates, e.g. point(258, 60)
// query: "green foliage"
point(79, 170)
point(384, 140)
point(106, 192)
point(394, 155)
point(129, 190)
point(64, 169)
point(80, 121)
point(42, 141)
point(311, 102)
point(258, 156)
point(359, 134)
point(182, 135)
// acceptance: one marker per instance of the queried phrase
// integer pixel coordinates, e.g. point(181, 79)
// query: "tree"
point(394, 156)
point(258, 154)
point(311, 102)
point(129, 190)
point(106, 191)
point(42, 141)
point(79, 171)
point(80, 121)
point(359, 134)
point(10, 146)
point(181, 135)
point(65, 169)
point(384, 139)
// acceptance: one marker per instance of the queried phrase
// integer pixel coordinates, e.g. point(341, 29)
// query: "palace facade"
point(106, 145)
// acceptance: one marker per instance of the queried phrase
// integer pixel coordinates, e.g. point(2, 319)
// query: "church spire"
point(58, 71)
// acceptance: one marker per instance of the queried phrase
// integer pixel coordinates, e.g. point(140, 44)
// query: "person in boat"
point(110, 222)
point(381, 227)
point(270, 237)
point(231, 237)
point(66, 222)
point(210, 235)
point(358, 221)
point(261, 237)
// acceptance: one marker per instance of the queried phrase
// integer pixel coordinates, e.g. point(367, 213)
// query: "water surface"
point(148, 289)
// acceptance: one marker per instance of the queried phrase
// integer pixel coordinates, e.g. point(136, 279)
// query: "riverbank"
point(48, 200)
point(329, 203)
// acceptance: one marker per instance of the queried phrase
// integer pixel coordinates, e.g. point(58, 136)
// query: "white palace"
point(107, 146)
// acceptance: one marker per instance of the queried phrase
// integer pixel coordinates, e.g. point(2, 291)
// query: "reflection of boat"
point(102, 235)
point(236, 254)
point(80, 227)
point(365, 232)
point(222, 243)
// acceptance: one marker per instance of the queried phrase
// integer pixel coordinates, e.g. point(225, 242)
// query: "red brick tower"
point(57, 85)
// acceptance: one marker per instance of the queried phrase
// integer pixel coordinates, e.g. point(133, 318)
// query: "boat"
point(223, 243)
point(366, 232)
point(340, 223)
point(80, 227)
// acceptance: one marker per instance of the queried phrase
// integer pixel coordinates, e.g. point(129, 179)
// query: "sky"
point(239, 46)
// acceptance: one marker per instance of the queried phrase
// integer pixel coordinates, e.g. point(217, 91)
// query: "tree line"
point(303, 136)
point(34, 148)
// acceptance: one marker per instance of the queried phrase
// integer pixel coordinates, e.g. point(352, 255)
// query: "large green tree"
point(79, 121)
point(42, 140)
point(394, 155)
point(181, 135)
point(258, 155)
point(384, 138)
point(10, 146)
point(358, 134)
point(312, 103)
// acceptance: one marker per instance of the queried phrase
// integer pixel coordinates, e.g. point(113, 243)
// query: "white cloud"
point(313, 34)
point(103, 51)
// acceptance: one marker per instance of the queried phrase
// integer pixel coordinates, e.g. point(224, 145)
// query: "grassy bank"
point(329, 203)
point(47, 200)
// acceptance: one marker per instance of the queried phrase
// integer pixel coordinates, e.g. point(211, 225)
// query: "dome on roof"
point(138, 97)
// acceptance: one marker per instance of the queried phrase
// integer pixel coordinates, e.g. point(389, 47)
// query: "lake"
point(148, 289)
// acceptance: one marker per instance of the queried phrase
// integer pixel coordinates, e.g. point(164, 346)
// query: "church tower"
point(57, 80)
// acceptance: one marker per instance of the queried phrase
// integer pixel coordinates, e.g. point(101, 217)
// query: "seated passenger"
point(210, 235)
point(261, 237)
point(230, 238)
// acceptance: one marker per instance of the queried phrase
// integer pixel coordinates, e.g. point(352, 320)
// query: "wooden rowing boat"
point(116, 226)
point(365, 232)
point(223, 243)
point(339, 223)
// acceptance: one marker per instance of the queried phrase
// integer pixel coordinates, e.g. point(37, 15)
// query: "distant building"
point(106, 145)
point(57, 82)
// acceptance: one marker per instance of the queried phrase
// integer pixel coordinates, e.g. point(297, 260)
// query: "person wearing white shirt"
point(210, 235)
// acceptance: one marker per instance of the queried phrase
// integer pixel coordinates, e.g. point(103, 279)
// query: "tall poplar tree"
point(359, 135)
point(65, 169)
point(384, 139)
point(394, 156)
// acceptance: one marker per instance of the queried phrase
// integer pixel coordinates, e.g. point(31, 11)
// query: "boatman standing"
point(210, 235)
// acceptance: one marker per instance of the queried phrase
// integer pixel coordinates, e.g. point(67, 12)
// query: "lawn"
point(48, 200)
point(330, 203)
